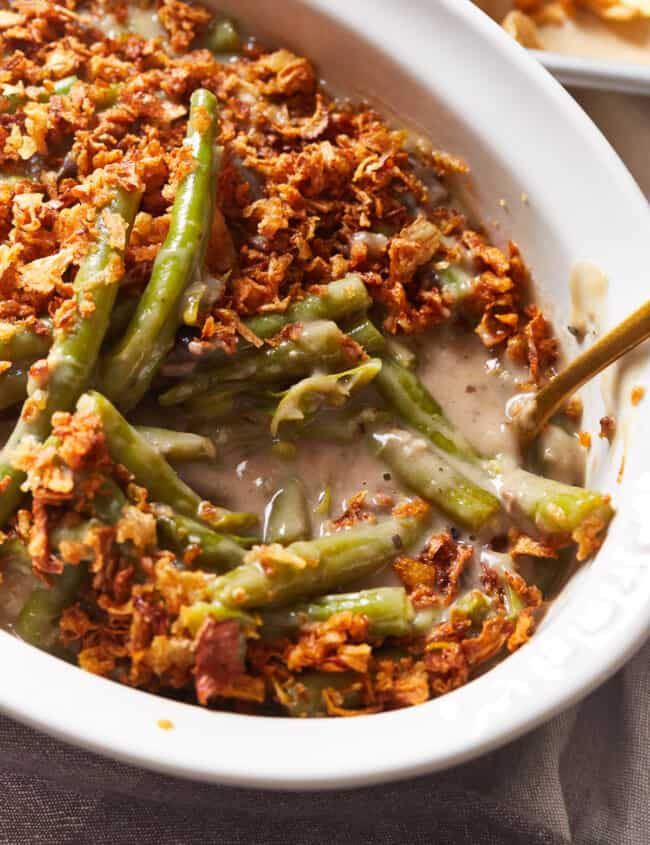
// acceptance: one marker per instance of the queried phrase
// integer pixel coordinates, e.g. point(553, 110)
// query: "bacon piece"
point(218, 658)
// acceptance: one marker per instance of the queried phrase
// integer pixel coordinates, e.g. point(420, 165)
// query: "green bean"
point(213, 552)
point(107, 95)
point(387, 609)
point(224, 38)
point(73, 354)
point(475, 606)
point(306, 568)
point(24, 342)
point(554, 507)
point(341, 426)
point(178, 445)
point(308, 396)
point(408, 397)
point(367, 335)
point(303, 696)
point(22, 345)
point(38, 620)
point(457, 284)
point(13, 386)
point(336, 301)
point(121, 316)
point(199, 297)
point(14, 551)
point(501, 565)
point(426, 470)
point(288, 518)
point(319, 344)
point(215, 405)
point(128, 371)
point(126, 446)
point(61, 87)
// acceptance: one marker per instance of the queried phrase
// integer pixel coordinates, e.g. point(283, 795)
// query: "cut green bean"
point(336, 301)
point(199, 298)
point(368, 336)
point(13, 386)
point(272, 575)
point(304, 695)
point(319, 344)
point(122, 314)
point(151, 470)
point(288, 517)
point(20, 342)
point(39, 618)
point(554, 507)
point(74, 351)
point(128, 370)
point(387, 609)
point(13, 551)
point(426, 470)
point(475, 606)
point(308, 396)
point(61, 88)
point(178, 445)
point(211, 551)
point(128, 447)
point(408, 397)
point(215, 405)
point(456, 284)
point(224, 38)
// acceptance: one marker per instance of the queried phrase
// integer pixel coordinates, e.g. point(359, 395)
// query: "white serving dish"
point(446, 67)
point(605, 74)
point(569, 59)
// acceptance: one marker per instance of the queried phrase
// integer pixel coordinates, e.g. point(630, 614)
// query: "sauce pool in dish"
point(255, 367)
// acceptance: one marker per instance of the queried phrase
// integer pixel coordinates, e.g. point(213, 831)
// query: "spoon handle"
point(609, 348)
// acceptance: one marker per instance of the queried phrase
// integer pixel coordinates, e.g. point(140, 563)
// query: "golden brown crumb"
point(165, 724)
point(637, 394)
point(585, 439)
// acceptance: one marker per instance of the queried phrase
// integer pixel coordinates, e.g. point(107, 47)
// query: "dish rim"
point(596, 74)
point(537, 682)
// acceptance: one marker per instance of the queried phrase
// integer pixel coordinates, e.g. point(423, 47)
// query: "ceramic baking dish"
point(543, 174)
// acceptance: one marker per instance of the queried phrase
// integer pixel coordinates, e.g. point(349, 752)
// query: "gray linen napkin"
point(583, 778)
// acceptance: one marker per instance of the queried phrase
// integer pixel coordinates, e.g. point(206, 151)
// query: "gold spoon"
point(536, 411)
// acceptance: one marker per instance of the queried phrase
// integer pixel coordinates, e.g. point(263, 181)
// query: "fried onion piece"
point(432, 577)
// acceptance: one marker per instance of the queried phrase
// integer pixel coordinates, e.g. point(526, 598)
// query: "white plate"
point(445, 66)
point(608, 75)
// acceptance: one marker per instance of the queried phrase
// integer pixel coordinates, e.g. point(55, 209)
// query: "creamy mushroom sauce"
point(473, 387)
